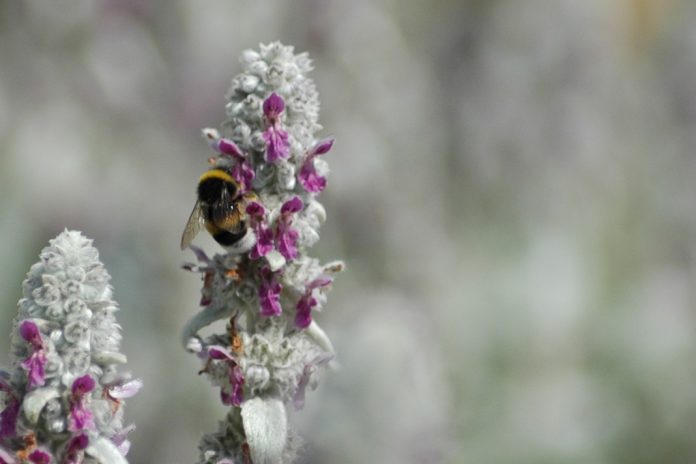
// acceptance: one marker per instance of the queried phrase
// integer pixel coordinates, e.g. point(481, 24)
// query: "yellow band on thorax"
point(217, 174)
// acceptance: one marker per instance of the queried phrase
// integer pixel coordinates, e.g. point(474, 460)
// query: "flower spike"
point(273, 350)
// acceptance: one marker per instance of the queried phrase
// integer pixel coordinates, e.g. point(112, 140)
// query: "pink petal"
point(277, 144)
point(303, 317)
point(254, 208)
point(269, 299)
point(218, 352)
point(40, 457)
point(273, 106)
point(30, 333)
point(237, 381)
point(293, 205)
point(264, 242)
point(80, 417)
point(322, 147)
point(83, 385)
point(36, 364)
point(309, 179)
point(127, 390)
point(228, 147)
point(287, 242)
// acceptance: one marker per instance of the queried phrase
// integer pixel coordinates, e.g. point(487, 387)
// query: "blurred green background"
point(512, 189)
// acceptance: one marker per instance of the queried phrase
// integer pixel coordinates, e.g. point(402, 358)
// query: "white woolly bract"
point(266, 428)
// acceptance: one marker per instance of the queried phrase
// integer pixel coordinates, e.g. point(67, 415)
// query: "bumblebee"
point(221, 208)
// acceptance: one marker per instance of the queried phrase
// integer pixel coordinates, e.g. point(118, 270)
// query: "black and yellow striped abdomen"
point(217, 191)
point(226, 228)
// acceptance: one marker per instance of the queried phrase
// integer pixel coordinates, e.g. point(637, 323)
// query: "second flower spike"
point(64, 394)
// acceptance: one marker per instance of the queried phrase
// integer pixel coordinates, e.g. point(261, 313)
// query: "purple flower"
point(292, 206)
point(272, 107)
point(237, 382)
point(242, 171)
point(286, 241)
point(219, 352)
point(298, 398)
point(286, 237)
point(76, 445)
point(120, 439)
point(264, 236)
point(277, 143)
point(236, 376)
point(123, 389)
point(264, 242)
point(126, 390)
point(255, 210)
point(81, 417)
point(31, 334)
point(83, 385)
point(303, 316)
point(308, 176)
point(40, 457)
point(309, 179)
point(36, 362)
point(269, 294)
point(227, 147)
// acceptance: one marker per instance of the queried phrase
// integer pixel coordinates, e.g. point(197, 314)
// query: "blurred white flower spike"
point(270, 291)
point(63, 397)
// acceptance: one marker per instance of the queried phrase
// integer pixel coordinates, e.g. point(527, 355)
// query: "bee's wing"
point(193, 226)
